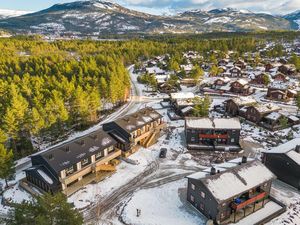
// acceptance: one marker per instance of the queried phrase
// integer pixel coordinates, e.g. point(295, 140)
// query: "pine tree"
point(7, 165)
point(45, 210)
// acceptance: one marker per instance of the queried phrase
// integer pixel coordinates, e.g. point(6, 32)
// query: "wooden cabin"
point(219, 134)
point(230, 191)
point(284, 162)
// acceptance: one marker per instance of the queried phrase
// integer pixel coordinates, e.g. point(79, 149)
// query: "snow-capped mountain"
point(6, 13)
point(97, 17)
point(294, 17)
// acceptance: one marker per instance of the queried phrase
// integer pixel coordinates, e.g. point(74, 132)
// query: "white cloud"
point(268, 6)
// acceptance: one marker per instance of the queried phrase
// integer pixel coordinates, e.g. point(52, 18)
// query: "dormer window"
point(67, 149)
point(50, 156)
point(80, 142)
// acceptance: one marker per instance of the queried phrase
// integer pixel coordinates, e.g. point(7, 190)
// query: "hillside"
point(96, 17)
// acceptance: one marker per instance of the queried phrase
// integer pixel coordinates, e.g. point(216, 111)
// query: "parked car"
point(163, 153)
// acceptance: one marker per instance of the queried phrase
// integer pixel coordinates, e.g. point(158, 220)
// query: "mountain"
point(96, 17)
point(6, 13)
point(294, 18)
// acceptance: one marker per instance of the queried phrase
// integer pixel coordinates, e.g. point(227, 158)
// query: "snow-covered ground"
point(157, 186)
point(161, 205)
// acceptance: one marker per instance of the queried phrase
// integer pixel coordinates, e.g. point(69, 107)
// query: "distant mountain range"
point(96, 17)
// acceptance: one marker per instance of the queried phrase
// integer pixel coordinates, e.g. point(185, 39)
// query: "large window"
point(85, 162)
point(192, 186)
point(110, 149)
point(202, 194)
point(192, 198)
point(99, 155)
point(70, 170)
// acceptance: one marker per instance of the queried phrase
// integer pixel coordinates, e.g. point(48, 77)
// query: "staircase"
point(106, 167)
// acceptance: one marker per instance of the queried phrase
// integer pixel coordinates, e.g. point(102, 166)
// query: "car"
point(163, 153)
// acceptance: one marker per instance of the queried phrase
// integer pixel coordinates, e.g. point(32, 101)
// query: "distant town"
point(176, 131)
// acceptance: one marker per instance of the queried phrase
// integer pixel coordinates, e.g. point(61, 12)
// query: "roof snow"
point(235, 181)
point(273, 116)
point(286, 147)
point(45, 176)
point(295, 156)
point(217, 123)
point(182, 95)
point(244, 100)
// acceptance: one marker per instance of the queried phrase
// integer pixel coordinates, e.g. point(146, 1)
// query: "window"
point(202, 194)
point(84, 162)
point(110, 149)
point(201, 206)
point(67, 149)
point(222, 215)
point(232, 140)
point(70, 170)
point(192, 198)
point(99, 155)
point(192, 186)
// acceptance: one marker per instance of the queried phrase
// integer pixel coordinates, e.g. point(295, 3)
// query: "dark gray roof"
point(138, 119)
point(70, 153)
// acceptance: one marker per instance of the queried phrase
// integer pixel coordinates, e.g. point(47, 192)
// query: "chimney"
point(297, 149)
point(244, 159)
point(213, 171)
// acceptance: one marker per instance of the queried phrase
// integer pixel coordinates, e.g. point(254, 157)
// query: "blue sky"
point(160, 6)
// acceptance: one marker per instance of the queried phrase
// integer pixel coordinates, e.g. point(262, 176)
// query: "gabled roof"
point(70, 153)
point(136, 120)
point(243, 100)
point(233, 181)
point(288, 149)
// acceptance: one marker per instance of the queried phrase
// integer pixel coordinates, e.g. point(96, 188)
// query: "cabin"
point(241, 64)
point(70, 166)
point(287, 69)
point(223, 62)
point(221, 82)
point(236, 106)
point(141, 128)
point(255, 113)
point(261, 79)
point(235, 71)
point(231, 191)
point(281, 91)
point(271, 66)
point(241, 87)
point(280, 77)
point(284, 162)
point(219, 134)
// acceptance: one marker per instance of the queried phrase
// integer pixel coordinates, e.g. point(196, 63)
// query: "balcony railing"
point(237, 206)
point(214, 136)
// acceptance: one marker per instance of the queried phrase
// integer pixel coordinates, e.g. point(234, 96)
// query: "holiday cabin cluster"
point(74, 164)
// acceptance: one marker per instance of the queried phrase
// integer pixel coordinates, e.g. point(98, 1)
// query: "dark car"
point(163, 153)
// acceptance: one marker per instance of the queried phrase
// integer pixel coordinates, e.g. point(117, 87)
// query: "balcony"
point(90, 168)
point(244, 202)
point(213, 136)
point(140, 137)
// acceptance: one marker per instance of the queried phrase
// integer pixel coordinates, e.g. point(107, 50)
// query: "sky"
point(171, 6)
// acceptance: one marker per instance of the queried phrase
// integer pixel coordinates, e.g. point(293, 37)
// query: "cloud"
point(268, 6)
